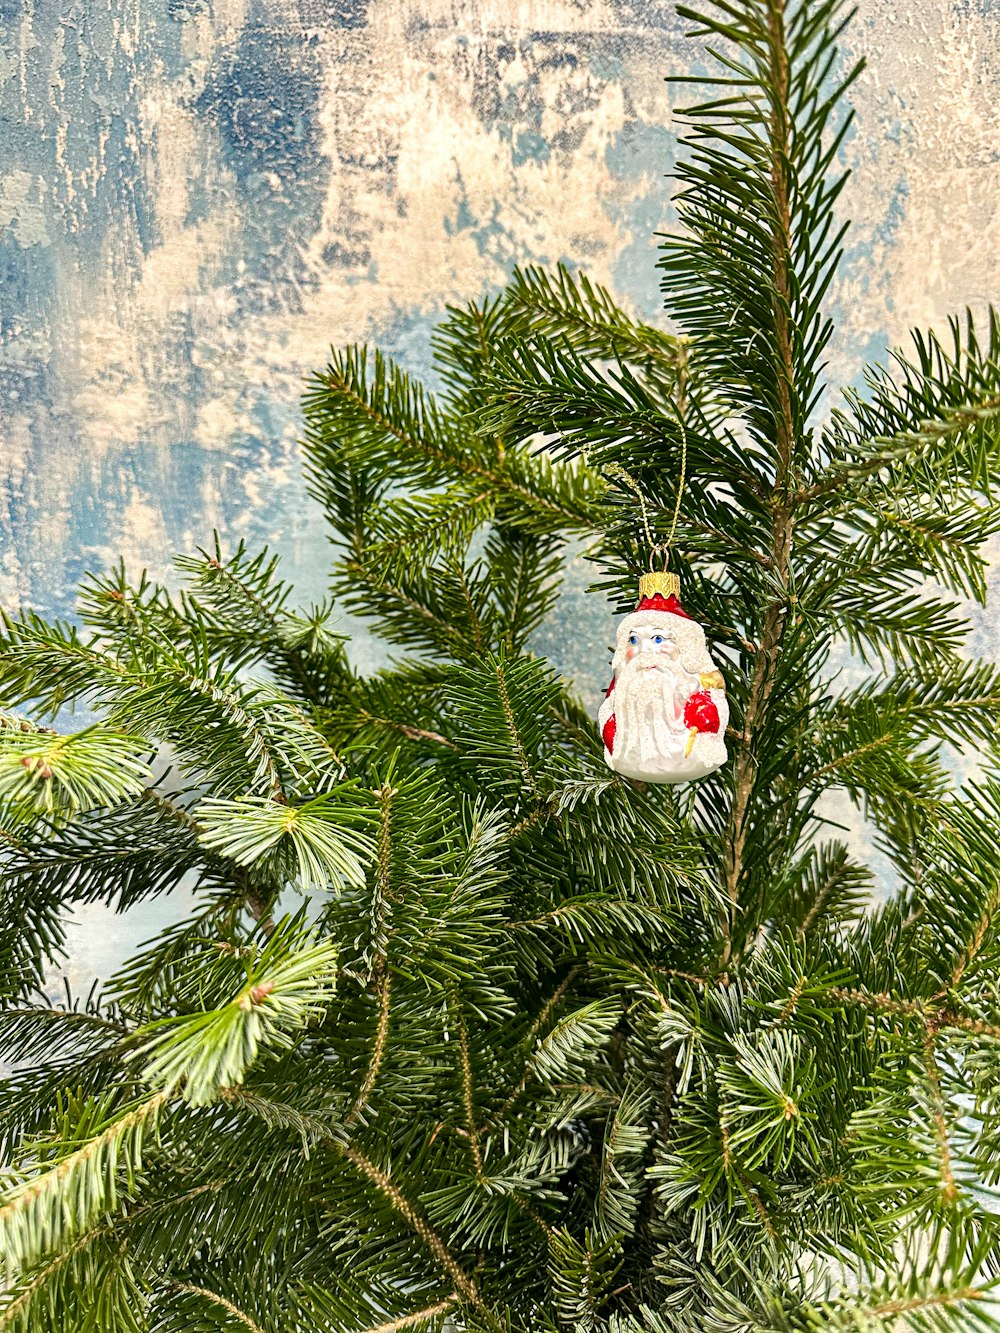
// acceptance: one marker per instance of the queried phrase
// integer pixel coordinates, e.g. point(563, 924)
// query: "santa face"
point(651, 648)
point(665, 715)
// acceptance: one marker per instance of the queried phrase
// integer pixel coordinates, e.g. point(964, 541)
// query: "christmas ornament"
point(665, 714)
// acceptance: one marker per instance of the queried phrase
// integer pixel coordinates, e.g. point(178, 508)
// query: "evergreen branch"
point(259, 905)
point(279, 1115)
point(949, 1188)
point(418, 1317)
point(382, 886)
point(472, 616)
point(554, 1001)
point(961, 705)
point(11, 840)
point(465, 1286)
point(753, 1194)
point(504, 707)
point(581, 1277)
point(413, 613)
point(906, 448)
point(391, 421)
point(591, 919)
point(537, 1027)
point(778, 159)
point(235, 712)
point(41, 1213)
point(826, 885)
point(626, 1136)
point(512, 730)
point(240, 589)
point(976, 1027)
point(9, 722)
point(883, 1003)
point(17, 1308)
point(937, 1300)
point(524, 576)
point(468, 1099)
point(43, 773)
point(901, 540)
point(762, 1101)
point(532, 820)
point(165, 690)
point(747, 274)
point(383, 992)
point(932, 1016)
point(978, 938)
point(389, 412)
point(118, 856)
point(214, 1298)
point(405, 729)
point(938, 406)
point(780, 155)
point(467, 905)
point(30, 1031)
point(50, 664)
point(287, 985)
point(570, 307)
point(564, 1049)
point(174, 812)
point(316, 843)
point(747, 742)
point(240, 607)
point(850, 756)
point(427, 526)
point(612, 423)
point(128, 619)
point(463, 346)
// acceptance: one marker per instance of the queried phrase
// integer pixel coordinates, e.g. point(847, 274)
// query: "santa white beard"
point(650, 734)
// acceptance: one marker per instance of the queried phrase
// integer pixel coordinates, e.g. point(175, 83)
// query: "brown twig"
point(936, 1301)
point(383, 989)
point(949, 1189)
point(465, 1286)
point(467, 1090)
point(418, 1317)
point(766, 658)
point(216, 1299)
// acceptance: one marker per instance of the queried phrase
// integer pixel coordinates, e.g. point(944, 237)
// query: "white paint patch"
point(22, 207)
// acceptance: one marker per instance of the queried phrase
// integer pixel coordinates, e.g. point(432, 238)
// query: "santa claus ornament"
point(665, 714)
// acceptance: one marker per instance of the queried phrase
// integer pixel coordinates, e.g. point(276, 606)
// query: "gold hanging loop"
point(681, 483)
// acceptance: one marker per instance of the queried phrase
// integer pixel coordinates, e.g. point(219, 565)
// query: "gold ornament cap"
point(662, 583)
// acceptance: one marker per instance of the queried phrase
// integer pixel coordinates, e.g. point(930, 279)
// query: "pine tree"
point(464, 1031)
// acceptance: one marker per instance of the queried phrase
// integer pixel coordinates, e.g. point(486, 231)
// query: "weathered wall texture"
point(198, 196)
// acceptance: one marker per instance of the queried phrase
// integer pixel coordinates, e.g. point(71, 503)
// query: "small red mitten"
point(700, 712)
point(608, 732)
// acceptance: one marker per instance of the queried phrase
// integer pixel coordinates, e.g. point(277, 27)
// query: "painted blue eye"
point(657, 638)
point(632, 639)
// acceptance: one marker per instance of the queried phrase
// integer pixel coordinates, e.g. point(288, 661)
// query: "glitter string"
point(656, 548)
